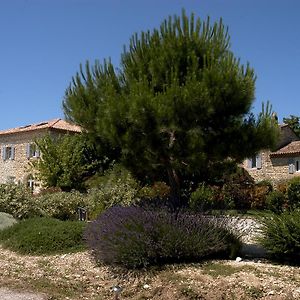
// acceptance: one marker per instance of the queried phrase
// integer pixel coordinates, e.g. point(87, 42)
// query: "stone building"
point(281, 164)
point(18, 148)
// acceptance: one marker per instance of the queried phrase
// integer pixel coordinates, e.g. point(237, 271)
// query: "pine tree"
point(180, 102)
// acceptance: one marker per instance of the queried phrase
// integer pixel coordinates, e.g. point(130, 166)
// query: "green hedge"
point(43, 236)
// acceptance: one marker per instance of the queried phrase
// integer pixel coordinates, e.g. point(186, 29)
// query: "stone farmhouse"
point(281, 164)
point(18, 148)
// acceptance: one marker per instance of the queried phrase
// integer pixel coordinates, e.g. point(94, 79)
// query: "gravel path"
point(6, 294)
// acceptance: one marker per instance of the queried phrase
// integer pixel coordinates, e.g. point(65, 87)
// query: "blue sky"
point(44, 41)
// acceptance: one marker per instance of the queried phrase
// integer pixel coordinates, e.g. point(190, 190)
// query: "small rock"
point(146, 286)
point(238, 259)
point(271, 293)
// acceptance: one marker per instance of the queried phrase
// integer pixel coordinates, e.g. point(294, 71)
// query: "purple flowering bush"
point(135, 237)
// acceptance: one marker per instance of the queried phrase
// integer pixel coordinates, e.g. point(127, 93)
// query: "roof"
point(291, 149)
point(57, 124)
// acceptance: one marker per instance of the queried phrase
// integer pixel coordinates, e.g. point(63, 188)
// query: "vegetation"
point(281, 236)
point(67, 161)
point(275, 201)
point(134, 237)
point(43, 236)
point(294, 123)
point(293, 193)
point(17, 201)
point(179, 103)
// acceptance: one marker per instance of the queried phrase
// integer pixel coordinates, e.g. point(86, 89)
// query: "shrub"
point(275, 201)
point(116, 187)
point(282, 186)
point(281, 236)
point(259, 195)
point(293, 193)
point(62, 205)
point(43, 236)
point(18, 201)
point(134, 237)
point(6, 220)
point(202, 198)
point(237, 195)
point(158, 190)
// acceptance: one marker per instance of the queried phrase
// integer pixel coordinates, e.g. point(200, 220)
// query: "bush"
point(238, 196)
point(62, 205)
point(6, 220)
point(293, 193)
point(281, 236)
point(275, 201)
point(134, 237)
point(18, 201)
point(116, 187)
point(43, 236)
point(202, 199)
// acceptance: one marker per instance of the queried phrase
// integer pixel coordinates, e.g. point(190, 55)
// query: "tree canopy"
point(67, 161)
point(179, 103)
point(294, 123)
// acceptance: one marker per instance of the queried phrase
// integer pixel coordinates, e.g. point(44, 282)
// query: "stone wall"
point(19, 167)
point(273, 169)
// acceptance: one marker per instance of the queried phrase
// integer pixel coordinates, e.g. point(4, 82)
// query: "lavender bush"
point(134, 237)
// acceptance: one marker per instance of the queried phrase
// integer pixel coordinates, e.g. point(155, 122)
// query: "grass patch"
point(217, 269)
point(43, 236)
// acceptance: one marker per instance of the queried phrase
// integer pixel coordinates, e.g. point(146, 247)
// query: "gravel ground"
point(76, 277)
point(6, 294)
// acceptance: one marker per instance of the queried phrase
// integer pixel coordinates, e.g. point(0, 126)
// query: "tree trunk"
point(175, 189)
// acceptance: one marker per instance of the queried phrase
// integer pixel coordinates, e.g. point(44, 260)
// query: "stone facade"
point(274, 165)
point(18, 150)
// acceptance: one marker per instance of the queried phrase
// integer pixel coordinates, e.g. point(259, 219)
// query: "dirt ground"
point(75, 276)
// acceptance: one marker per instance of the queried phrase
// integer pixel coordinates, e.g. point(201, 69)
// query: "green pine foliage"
point(179, 103)
point(294, 123)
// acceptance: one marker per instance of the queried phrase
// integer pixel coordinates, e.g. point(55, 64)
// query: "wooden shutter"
point(3, 153)
point(291, 164)
point(249, 163)
point(37, 152)
point(27, 150)
point(258, 161)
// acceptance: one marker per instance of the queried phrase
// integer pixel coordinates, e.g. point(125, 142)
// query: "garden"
point(131, 241)
point(156, 168)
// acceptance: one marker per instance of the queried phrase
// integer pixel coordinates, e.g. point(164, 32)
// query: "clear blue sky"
point(44, 41)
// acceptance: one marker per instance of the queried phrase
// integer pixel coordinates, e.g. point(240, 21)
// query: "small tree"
point(180, 102)
point(66, 161)
point(294, 123)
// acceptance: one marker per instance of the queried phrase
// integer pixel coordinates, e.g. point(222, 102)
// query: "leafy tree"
point(179, 103)
point(67, 161)
point(294, 123)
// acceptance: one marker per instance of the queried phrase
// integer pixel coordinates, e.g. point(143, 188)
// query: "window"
point(254, 162)
point(32, 150)
point(8, 152)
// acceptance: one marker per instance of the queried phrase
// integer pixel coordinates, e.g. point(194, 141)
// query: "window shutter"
point(258, 161)
point(12, 152)
point(291, 166)
point(3, 153)
point(249, 163)
point(37, 152)
point(27, 150)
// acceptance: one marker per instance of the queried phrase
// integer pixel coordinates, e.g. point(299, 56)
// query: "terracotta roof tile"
point(58, 124)
point(290, 149)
